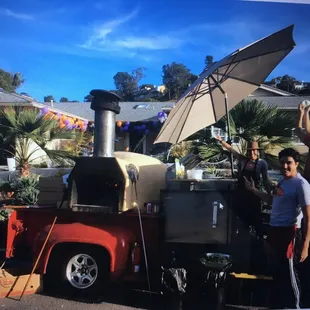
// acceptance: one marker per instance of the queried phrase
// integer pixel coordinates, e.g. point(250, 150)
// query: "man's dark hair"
point(290, 152)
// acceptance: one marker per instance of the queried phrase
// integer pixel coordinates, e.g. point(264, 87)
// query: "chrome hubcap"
point(82, 271)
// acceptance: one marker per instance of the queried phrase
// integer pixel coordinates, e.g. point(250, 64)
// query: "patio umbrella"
point(222, 86)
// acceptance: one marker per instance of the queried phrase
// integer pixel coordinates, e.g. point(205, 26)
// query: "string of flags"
point(162, 116)
point(144, 128)
point(76, 123)
point(65, 121)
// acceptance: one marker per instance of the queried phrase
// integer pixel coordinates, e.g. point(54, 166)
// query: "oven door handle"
point(215, 210)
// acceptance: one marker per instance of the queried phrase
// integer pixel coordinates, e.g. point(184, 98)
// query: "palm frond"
point(74, 146)
point(181, 149)
point(252, 120)
point(58, 156)
point(209, 152)
point(33, 131)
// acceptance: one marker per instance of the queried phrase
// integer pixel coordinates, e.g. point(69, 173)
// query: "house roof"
point(11, 97)
point(283, 102)
point(130, 111)
point(140, 111)
point(148, 111)
point(7, 99)
point(276, 90)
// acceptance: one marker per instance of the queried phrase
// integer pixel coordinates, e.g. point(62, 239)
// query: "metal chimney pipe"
point(106, 106)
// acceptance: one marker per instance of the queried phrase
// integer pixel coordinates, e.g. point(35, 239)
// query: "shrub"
point(26, 189)
point(4, 215)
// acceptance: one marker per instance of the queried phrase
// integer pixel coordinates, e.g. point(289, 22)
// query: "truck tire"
point(83, 270)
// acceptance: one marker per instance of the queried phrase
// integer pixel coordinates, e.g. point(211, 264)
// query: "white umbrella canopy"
point(234, 77)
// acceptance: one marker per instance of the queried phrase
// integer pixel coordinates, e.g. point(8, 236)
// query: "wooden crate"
point(249, 290)
point(12, 283)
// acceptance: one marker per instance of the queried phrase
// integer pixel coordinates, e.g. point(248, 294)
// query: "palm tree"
point(32, 132)
point(76, 145)
point(252, 120)
point(18, 80)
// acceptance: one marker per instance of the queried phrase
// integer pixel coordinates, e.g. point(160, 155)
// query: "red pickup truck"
point(84, 251)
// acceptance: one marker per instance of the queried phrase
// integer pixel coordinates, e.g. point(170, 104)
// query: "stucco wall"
point(39, 156)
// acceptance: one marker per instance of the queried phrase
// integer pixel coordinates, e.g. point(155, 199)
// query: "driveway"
point(136, 301)
point(39, 302)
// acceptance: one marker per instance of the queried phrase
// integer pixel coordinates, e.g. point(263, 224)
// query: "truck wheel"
point(82, 271)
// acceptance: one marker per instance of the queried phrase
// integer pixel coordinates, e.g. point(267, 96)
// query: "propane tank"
point(136, 258)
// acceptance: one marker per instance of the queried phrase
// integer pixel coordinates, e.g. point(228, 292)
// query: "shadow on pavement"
point(128, 297)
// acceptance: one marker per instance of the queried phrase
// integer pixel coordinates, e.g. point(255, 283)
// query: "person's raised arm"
point(301, 116)
point(230, 149)
point(306, 119)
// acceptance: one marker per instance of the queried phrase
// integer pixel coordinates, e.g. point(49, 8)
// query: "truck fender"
point(116, 240)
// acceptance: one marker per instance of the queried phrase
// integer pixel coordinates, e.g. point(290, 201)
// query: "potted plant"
point(211, 172)
point(26, 189)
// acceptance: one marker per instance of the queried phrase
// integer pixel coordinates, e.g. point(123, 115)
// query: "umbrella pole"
point(217, 84)
point(227, 116)
point(229, 134)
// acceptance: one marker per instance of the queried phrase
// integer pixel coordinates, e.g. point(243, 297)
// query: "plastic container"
point(11, 164)
point(195, 174)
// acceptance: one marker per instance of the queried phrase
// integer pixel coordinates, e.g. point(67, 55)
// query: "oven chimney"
point(106, 106)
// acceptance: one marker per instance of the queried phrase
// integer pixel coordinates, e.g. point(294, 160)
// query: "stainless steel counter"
point(199, 211)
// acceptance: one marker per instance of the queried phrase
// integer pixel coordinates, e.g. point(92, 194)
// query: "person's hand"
point(304, 253)
point(306, 109)
point(301, 108)
point(219, 138)
point(249, 185)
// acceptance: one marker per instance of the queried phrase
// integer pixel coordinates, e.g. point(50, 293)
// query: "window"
point(141, 106)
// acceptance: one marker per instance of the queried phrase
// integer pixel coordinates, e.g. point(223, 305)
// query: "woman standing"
point(253, 168)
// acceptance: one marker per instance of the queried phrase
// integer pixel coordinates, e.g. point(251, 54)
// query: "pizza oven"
point(104, 182)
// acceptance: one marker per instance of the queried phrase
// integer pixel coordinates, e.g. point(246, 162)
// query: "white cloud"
point(282, 1)
point(114, 36)
point(125, 37)
point(100, 32)
point(21, 16)
point(151, 43)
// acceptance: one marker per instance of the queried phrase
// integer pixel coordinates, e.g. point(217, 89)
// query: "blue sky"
point(67, 48)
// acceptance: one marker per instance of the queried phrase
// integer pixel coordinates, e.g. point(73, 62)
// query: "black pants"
point(304, 276)
point(286, 288)
point(248, 209)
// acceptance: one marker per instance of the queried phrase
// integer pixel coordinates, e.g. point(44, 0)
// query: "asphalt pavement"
point(114, 299)
point(140, 301)
point(34, 302)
